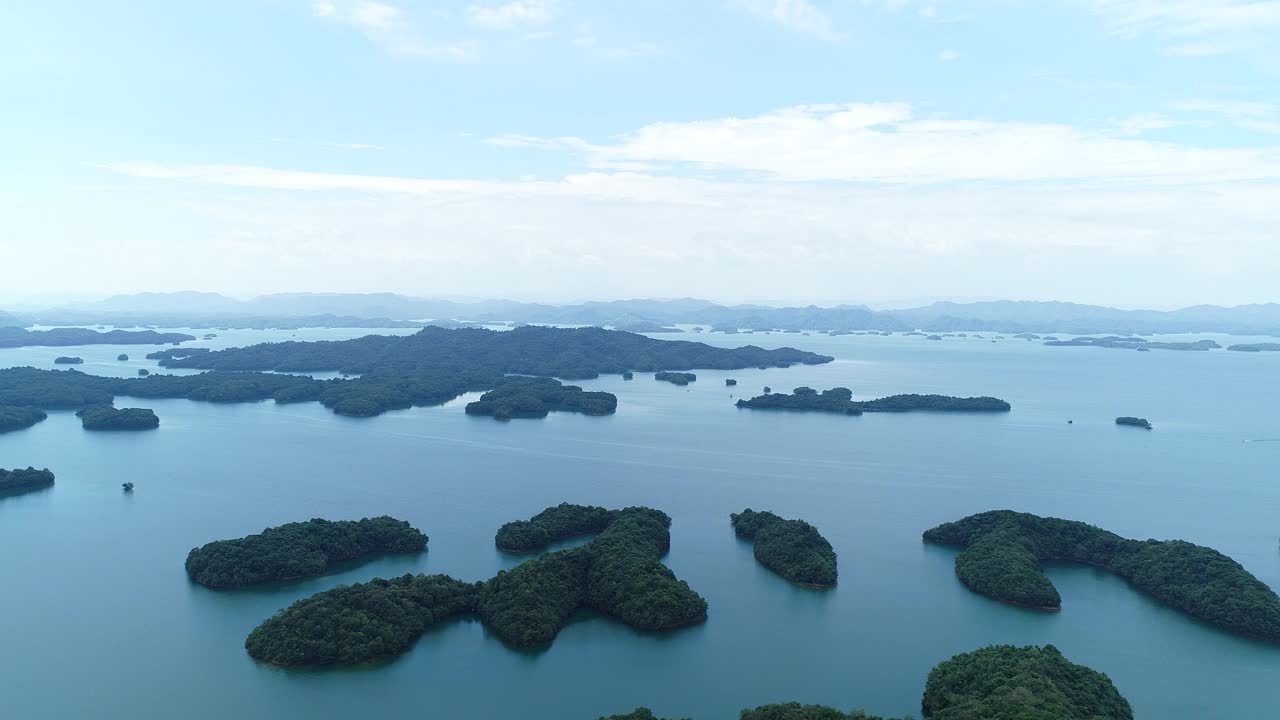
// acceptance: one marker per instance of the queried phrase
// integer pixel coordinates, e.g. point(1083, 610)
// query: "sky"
point(1122, 152)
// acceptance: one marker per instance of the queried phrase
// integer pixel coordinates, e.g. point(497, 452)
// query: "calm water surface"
point(98, 619)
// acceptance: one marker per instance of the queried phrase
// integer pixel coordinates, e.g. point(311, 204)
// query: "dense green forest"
point(561, 522)
point(299, 550)
point(178, 352)
point(619, 574)
point(533, 397)
point(429, 367)
point(1028, 683)
point(1000, 682)
point(18, 480)
point(1134, 422)
point(68, 360)
point(16, 418)
point(675, 378)
point(106, 417)
point(792, 548)
point(1003, 552)
point(840, 400)
point(62, 337)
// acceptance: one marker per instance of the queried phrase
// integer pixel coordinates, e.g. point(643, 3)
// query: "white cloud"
point(1194, 27)
point(512, 14)
point(389, 27)
point(338, 145)
point(948, 56)
point(887, 143)
point(1256, 116)
point(800, 16)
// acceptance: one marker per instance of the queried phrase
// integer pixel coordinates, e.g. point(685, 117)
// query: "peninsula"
point(61, 337)
point(792, 548)
point(18, 418)
point(1003, 552)
point(529, 397)
point(299, 550)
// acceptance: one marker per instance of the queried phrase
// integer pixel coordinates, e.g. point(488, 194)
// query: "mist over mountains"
point(374, 310)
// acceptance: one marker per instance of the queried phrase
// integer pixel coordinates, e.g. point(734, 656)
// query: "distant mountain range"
point(380, 310)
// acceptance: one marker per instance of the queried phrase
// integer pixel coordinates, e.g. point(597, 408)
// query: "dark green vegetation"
point(792, 548)
point(562, 522)
point(730, 382)
point(1003, 552)
point(143, 372)
point(20, 481)
point(526, 397)
point(675, 378)
point(1255, 347)
point(1134, 343)
point(436, 365)
point(68, 360)
point(127, 486)
point(627, 375)
point(1134, 422)
point(1003, 682)
point(619, 574)
point(840, 400)
point(353, 624)
point(72, 390)
point(16, 418)
point(1000, 682)
point(299, 550)
point(122, 357)
point(60, 337)
point(106, 417)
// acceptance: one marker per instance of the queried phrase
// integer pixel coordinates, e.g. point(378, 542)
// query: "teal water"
point(98, 619)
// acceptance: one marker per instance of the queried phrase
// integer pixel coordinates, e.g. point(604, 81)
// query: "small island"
point(19, 418)
point(106, 417)
point(619, 574)
point(143, 372)
point(68, 360)
point(299, 550)
point(122, 357)
point(840, 400)
point(535, 397)
point(1255, 347)
point(627, 375)
point(75, 336)
point(15, 482)
point(730, 382)
point(1000, 682)
point(562, 522)
point(1134, 422)
point(1134, 343)
point(675, 378)
point(792, 548)
point(1003, 552)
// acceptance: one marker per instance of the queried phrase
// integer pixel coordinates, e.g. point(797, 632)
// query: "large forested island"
point(840, 400)
point(1003, 552)
point(20, 481)
point(429, 367)
point(531, 397)
point(62, 337)
point(299, 550)
point(619, 574)
point(792, 548)
point(17, 418)
point(106, 417)
point(1000, 682)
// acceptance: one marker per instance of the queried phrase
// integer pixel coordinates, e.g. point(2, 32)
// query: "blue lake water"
point(99, 620)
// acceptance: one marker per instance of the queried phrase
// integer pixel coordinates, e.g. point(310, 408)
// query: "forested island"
point(106, 417)
point(1134, 343)
point(840, 400)
point(561, 522)
point(123, 357)
point(619, 574)
point(730, 382)
point(174, 353)
point(675, 378)
point(792, 548)
point(1003, 552)
point(999, 682)
point(1134, 422)
point(13, 482)
point(1255, 347)
point(61, 337)
point(18, 418)
point(299, 550)
point(530, 397)
point(68, 360)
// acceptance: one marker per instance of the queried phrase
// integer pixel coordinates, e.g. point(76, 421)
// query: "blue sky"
point(1110, 151)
